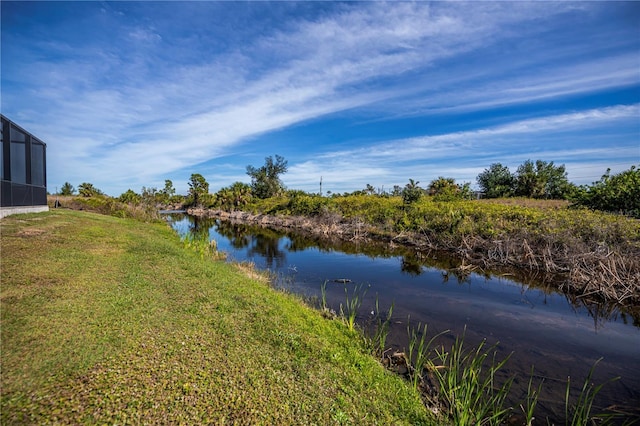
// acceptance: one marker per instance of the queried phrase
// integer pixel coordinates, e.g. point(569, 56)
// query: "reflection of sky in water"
point(542, 329)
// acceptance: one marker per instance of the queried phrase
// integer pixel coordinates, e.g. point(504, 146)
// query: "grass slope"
point(108, 320)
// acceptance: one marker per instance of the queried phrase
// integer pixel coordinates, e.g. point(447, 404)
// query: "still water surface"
point(538, 326)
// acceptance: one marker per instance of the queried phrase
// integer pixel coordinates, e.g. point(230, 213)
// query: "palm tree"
point(241, 194)
point(443, 185)
point(67, 189)
point(88, 190)
point(411, 192)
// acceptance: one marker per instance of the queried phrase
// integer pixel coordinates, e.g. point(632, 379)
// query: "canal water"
point(536, 326)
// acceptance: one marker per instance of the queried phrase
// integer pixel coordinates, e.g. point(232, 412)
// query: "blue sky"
point(128, 94)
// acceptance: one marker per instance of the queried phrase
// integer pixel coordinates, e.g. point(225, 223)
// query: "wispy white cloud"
point(459, 143)
point(143, 100)
point(144, 35)
point(508, 83)
point(464, 155)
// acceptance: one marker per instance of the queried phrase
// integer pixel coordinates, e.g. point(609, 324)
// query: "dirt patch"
point(250, 271)
point(30, 232)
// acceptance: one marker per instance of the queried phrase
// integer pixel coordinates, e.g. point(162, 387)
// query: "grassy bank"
point(109, 320)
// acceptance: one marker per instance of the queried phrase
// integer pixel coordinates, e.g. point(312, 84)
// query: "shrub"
point(301, 203)
point(446, 189)
point(617, 193)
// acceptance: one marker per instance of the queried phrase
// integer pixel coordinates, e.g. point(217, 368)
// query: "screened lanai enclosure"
point(23, 170)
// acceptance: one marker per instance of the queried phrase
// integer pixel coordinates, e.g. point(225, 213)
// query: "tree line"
point(618, 193)
point(539, 180)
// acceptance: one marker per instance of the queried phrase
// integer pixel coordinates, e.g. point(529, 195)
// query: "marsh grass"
point(378, 341)
point(467, 383)
point(112, 321)
point(353, 302)
point(579, 413)
point(528, 406)
point(468, 391)
point(108, 206)
point(325, 309)
point(323, 292)
point(249, 270)
point(204, 247)
point(420, 350)
point(461, 383)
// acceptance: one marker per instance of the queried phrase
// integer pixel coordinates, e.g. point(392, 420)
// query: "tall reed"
point(531, 400)
point(323, 291)
point(352, 304)
point(470, 392)
point(419, 350)
point(579, 414)
point(379, 340)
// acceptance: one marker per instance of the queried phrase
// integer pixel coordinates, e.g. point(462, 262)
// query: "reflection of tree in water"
point(601, 312)
point(636, 320)
point(298, 243)
point(199, 227)
point(173, 218)
point(239, 236)
point(259, 241)
point(269, 248)
point(411, 265)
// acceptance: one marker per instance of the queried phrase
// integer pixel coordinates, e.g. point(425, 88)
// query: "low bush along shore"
point(108, 320)
point(589, 254)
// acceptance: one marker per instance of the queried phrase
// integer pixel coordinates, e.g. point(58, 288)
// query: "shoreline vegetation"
point(593, 256)
point(119, 321)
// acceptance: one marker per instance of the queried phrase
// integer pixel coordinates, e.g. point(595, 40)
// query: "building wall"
point(23, 167)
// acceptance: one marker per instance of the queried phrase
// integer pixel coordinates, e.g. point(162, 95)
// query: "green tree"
point(233, 197)
point(369, 189)
point(496, 181)
point(130, 197)
point(542, 180)
point(528, 182)
point(411, 192)
point(265, 181)
point(88, 190)
point(67, 189)
point(446, 189)
point(465, 191)
point(198, 189)
point(150, 196)
point(241, 194)
point(168, 193)
point(223, 199)
point(442, 185)
point(617, 193)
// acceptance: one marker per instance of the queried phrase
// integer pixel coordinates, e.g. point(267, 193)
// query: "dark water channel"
point(540, 327)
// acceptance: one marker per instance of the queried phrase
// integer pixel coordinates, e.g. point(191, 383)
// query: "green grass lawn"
point(108, 320)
